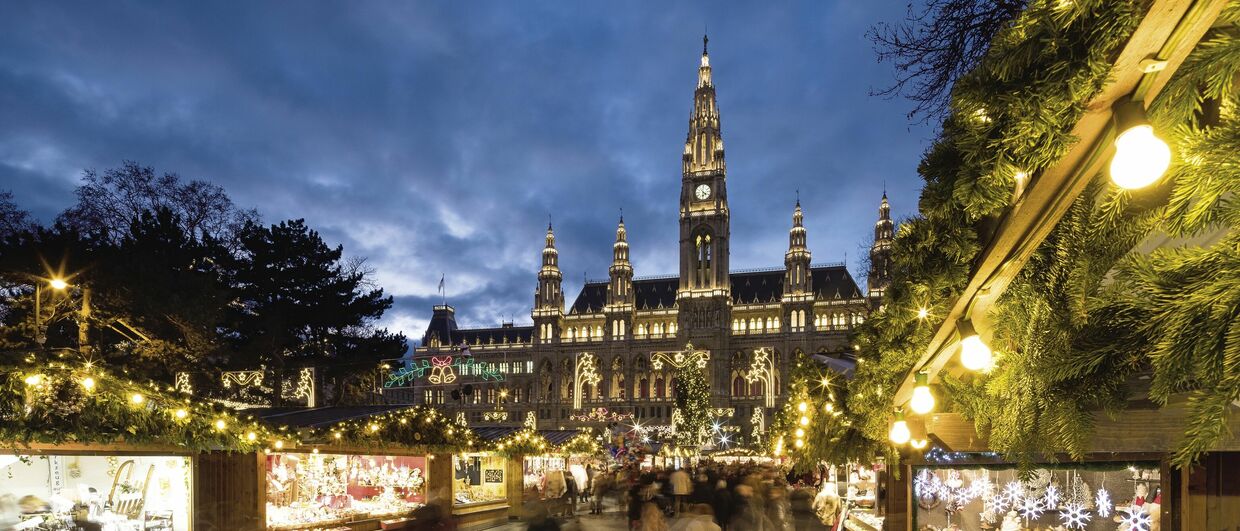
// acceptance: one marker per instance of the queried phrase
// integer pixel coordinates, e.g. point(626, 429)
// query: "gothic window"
point(660, 388)
point(738, 386)
point(702, 257)
point(644, 388)
point(755, 388)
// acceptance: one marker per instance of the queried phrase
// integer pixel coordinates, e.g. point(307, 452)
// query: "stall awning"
point(319, 417)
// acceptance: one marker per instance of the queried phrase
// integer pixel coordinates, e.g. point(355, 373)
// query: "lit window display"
point(98, 492)
point(310, 490)
point(478, 478)
point(1103, 497)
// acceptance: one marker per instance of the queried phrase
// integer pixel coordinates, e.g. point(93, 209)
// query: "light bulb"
point(88, 383)
point(181, 413)
point(34, 379)
point(137, 398)
point(251, 436)
point(800, 433)
point(279, 445)
point(58, 284)
point(919, 443)
point(922, 401)
point(899, 433)
point(798, 443)
point(1140, 157)
point(804, 420)
point(974, 354)
point(220, 424)
point(802, 407)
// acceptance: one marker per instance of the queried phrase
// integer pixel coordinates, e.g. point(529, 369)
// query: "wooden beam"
point(1168, 32)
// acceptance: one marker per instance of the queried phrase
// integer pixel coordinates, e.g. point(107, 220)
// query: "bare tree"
point(109, 202)
point(935, 45)
point(12, 218)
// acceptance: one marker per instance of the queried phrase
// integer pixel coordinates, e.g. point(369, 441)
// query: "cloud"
point(435, 138)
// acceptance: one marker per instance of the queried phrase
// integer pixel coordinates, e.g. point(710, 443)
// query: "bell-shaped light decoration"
point(899, 430)
point(1141, 158)
point(922, 401)
point(974, 354)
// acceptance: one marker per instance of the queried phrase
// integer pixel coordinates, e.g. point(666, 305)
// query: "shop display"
point(1061, 498)
point(108, 493)
point(478, 478)
point(317, 489)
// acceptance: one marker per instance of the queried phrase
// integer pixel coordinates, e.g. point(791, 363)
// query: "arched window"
point(643, 386)
point(738, 386)
point(660, 389)
point(755, 388)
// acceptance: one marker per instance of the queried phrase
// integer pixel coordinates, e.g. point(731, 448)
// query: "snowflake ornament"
point(1074, 516)
point(1030, 508)
point(1052, 497)
point(1135, 519)
point(981, 488)
point(1103, 502)
point(1014, 491)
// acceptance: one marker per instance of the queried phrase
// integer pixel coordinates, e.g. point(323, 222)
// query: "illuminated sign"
point(440, 370)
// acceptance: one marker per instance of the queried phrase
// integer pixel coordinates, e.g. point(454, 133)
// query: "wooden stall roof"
point(555, 437)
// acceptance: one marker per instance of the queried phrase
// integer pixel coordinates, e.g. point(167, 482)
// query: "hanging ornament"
point(1103, 502)
point(1135, 519)
point(1030, 508)
point(1074, 516)
point(1052, 497)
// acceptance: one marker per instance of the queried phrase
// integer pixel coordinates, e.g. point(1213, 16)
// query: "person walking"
point(682, 486)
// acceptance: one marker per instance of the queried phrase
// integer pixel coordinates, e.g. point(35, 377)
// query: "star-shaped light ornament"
point(1135, 519)
point(1030, 508)
point(1074, 516)
point(1103, 502)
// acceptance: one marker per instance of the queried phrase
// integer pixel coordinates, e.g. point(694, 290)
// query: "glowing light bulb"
point(1140, 158)
point(251, 436)
point(34, 379)
point(220, 424)
point(804, 420)
point(899, 433)
point(88, 383)
point(180, 413)
point(922, 401)
point(279, 445)
point(58, 284)
point(802, 407)
point(800, 433)
point(974, 354)
point(798, 443)
point(918, 443)
point(137, 398)
point(922, 313)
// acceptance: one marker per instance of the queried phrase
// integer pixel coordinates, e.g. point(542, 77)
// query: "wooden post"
point(514, 483)
point(230, 491)
point(899, 502)
point(439, 482)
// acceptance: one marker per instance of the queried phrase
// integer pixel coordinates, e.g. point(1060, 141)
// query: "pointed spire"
point(704, 143)
point(705, 39)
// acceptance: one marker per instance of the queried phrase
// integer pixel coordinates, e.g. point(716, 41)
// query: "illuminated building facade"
point(599, 352)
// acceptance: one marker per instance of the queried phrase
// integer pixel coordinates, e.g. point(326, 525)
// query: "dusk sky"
point(436, 137)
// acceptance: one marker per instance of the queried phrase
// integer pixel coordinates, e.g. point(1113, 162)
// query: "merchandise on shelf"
point(317, 489)
point(106, 492)
point(478, 478)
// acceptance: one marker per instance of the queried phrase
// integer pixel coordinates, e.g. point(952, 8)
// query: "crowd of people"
point(707, 497)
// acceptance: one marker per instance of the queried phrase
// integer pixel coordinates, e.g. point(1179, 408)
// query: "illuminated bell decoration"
point(899, 433)
point(974, 354)
point(1141, 158)
point(922, 401)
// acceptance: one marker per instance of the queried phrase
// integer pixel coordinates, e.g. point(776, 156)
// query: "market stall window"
point(1096, 497)
point(478, 478)
point(311, 490)
point(52, 492)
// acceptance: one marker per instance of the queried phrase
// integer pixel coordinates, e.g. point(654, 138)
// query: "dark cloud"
point(435, 137)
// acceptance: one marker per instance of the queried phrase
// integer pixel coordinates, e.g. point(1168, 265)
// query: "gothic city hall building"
point(610, 356)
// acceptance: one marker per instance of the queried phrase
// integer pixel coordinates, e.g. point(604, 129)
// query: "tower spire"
point(879, 276)
point(797, 260)
point(549, 298)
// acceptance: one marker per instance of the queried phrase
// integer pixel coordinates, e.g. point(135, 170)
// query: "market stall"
point(316, 489)
point(107, 487)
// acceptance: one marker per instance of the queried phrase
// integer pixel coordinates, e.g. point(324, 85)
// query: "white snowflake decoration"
point(1052, 497)
point(1135, 519)
point(1031, 508)
point(1074, 516)
point(981, 488)
point(1103, 503)
point(1014, 491)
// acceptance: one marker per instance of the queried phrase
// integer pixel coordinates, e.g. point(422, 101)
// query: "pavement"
point(616, 519)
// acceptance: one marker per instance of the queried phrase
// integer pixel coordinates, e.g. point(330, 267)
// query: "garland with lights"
point(413, 427)
point(524, 442)
point(1067, 337)
point(58, 403)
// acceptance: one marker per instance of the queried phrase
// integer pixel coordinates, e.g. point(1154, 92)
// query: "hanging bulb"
point(899, 429)
point(1140, 157)
point(974, 354)
point(802, 407)
point(922, 401)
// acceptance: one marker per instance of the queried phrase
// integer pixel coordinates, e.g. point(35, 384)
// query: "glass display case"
point(318, 489)
point(478, 478)
point(1096, 497)
point(99, 492)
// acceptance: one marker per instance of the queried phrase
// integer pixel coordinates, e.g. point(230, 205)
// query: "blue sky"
point(435, 137)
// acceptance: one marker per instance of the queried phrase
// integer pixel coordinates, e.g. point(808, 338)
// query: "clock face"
point(702, 191)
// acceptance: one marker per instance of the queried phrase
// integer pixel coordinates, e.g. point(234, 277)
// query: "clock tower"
point(703, 296)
